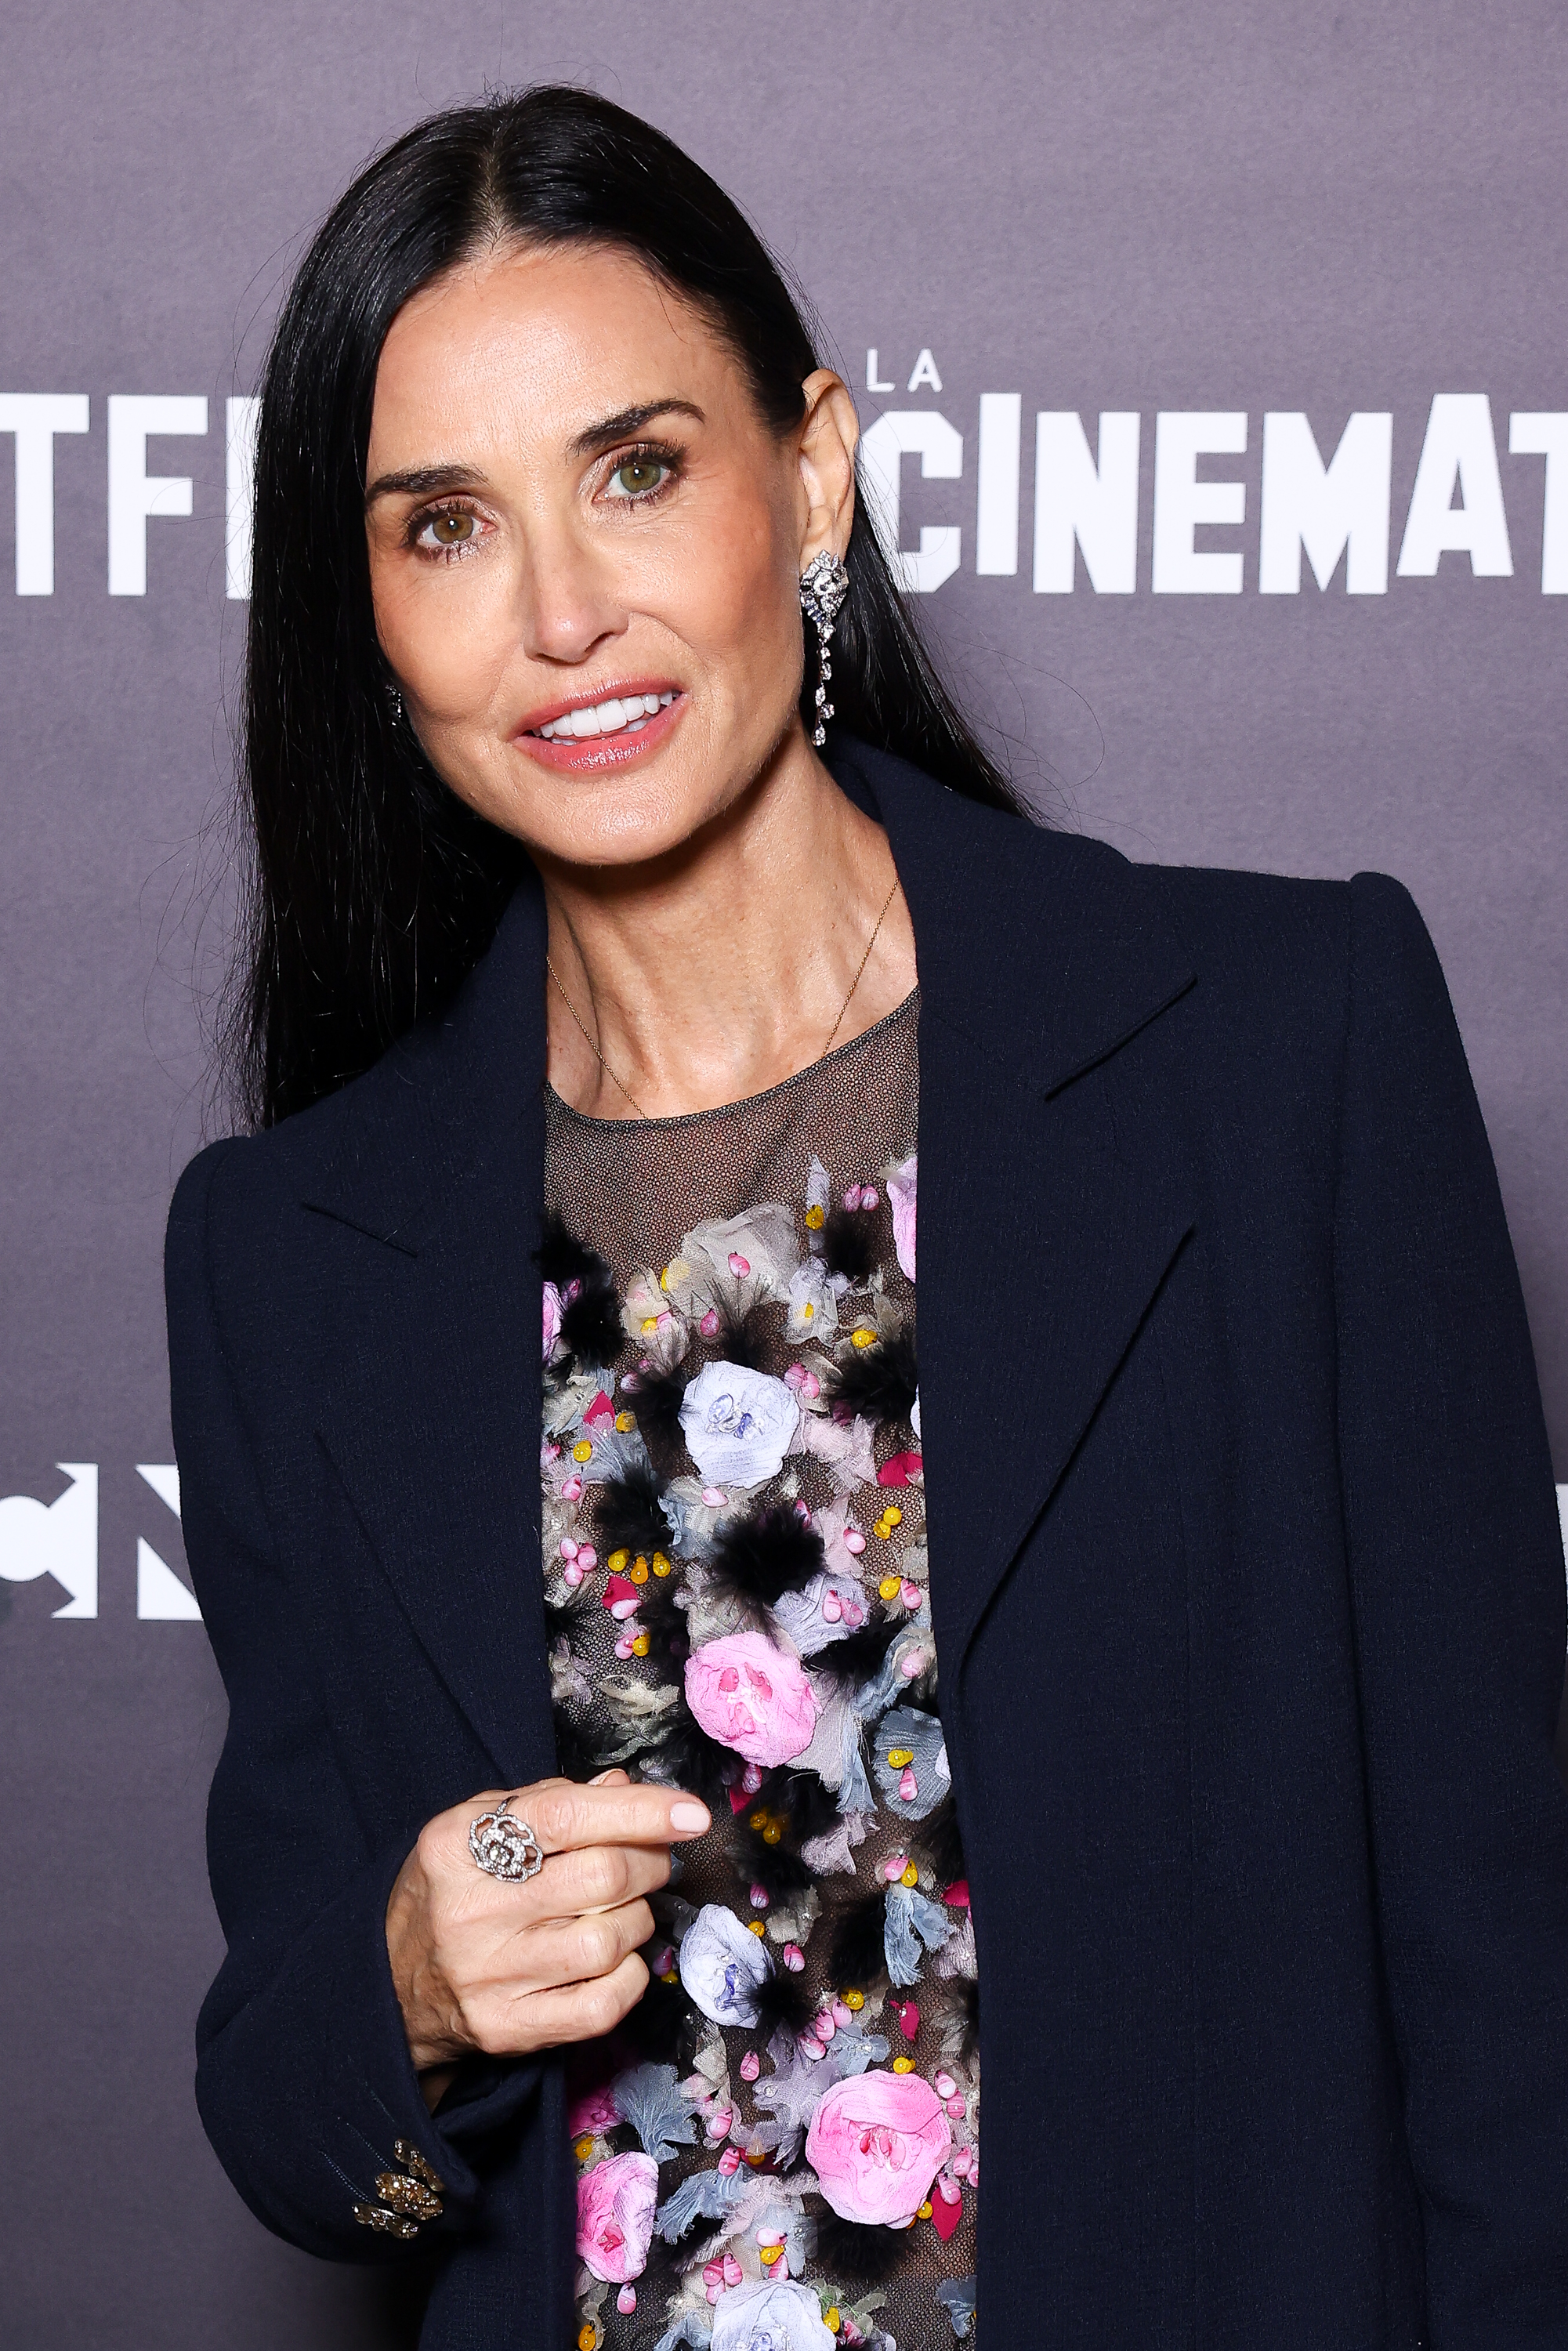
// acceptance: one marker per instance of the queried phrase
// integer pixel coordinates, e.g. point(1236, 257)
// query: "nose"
point(567, 596)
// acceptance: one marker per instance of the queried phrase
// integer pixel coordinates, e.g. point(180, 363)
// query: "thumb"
point(615, 1778)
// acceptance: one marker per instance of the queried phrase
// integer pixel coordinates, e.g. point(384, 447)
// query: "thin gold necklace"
point(620, 1083)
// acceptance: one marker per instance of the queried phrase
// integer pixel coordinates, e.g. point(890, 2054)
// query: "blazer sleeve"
point(1457, 1575)
point(304, 2080)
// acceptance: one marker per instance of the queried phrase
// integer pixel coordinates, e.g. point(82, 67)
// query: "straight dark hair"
point(374, 891)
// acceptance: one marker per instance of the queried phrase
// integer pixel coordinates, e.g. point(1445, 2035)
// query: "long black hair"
point(374, 891)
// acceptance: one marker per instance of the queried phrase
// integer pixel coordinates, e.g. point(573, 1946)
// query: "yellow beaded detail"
point(924, 2212)
point(649, 1324)
point(587, 2337)
point(854, 2001)
point(638, 1571)
point(903, 2064)
point(660, 1563)
point(583, 2148)
point(862, 1337)
point(890, 1587)
point(911, 1875)
point(816, 1218)
point(894, 1515)
point(582, 1451)
point(625, 1422)
point(755, 1925)
point(831, 2319)
point(616, 1562)
point(640, 1645)
point(771, 2253)
point(899, 1756)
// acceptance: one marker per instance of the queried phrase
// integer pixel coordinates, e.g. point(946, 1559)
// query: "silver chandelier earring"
point(824, 584)
point(397, 706)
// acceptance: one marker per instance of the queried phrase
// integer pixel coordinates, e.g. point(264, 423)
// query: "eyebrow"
point(426, 481)
point(430, 481)
point(627, 421)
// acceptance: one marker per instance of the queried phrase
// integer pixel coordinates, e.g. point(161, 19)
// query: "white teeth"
point(609, 717)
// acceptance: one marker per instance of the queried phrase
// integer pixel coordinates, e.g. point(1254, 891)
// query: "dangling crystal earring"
point(824, 584)
point(397, 705)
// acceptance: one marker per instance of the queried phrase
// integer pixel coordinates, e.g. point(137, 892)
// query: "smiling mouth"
point(623, 715)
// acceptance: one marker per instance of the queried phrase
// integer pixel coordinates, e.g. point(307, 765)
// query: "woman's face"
point(574, 508)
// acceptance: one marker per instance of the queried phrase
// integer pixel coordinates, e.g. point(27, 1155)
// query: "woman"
point(654, 1779)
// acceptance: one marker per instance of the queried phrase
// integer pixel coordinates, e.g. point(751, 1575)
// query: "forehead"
point(529, 345)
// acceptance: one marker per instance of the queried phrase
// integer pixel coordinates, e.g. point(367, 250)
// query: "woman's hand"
point(479, 1964)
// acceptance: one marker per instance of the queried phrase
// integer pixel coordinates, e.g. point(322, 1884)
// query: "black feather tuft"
point(590, 1313)
point(628, 1517)
point(810, 1807)
point(774, 1867)
point(562, 1258)
point(853, 2253)
point(685, 1757)
point(849, 1243)
point(591, 1325)
point(743, 1339)
point(860, 1952)
point(940, 1843)
point(761, 1557)
point(782, 2000)
point(879, 1381)
point(860, 1655)
point(656, 1398)
point(662, 2025)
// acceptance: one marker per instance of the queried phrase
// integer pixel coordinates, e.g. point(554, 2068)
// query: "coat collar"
point(1046, 1213)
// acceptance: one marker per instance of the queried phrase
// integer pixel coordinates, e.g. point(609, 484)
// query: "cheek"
point(736, 596)
point(448, 636)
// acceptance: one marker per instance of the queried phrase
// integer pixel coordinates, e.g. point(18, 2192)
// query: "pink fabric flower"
point(615, 2204)
point(901, 1193)
point(751, 1697)
point(877, 2143)
point(594, 2111)
point(552, 1319)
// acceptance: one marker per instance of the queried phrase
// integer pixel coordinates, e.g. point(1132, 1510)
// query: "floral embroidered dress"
point(779, 2150)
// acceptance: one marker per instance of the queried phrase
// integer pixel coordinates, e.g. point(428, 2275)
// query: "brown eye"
point(453, 529)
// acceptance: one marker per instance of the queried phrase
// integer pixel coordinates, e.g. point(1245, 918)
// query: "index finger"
point(565, 1816)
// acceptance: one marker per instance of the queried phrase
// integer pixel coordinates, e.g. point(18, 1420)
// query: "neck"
point(720, 970)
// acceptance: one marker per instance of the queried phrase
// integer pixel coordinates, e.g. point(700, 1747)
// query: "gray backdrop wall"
point(1214, 247)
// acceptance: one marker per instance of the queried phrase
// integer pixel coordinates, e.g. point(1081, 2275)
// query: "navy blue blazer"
point(1246, 1579)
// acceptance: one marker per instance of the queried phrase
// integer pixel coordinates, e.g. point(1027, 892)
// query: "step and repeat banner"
point(1213, 372)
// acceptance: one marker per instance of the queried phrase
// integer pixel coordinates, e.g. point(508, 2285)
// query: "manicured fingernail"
point(687, 1816)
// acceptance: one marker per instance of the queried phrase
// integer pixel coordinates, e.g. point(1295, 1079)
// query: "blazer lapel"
point(433, 1414)
point(1050, 1210)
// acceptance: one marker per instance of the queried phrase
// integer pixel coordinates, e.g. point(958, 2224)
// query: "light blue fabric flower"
point(649, 2098)
point(911, 1914)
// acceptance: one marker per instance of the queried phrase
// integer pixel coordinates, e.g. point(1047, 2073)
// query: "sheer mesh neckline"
point(902, 1011)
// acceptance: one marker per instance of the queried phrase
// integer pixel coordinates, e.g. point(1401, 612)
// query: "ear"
point(829, 433)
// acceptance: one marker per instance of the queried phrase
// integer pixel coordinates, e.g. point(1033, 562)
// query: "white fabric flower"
point(768, 2317)
point(738, 1424)
point(735, 1260)
point(813, 1301)
point(723, 1966)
